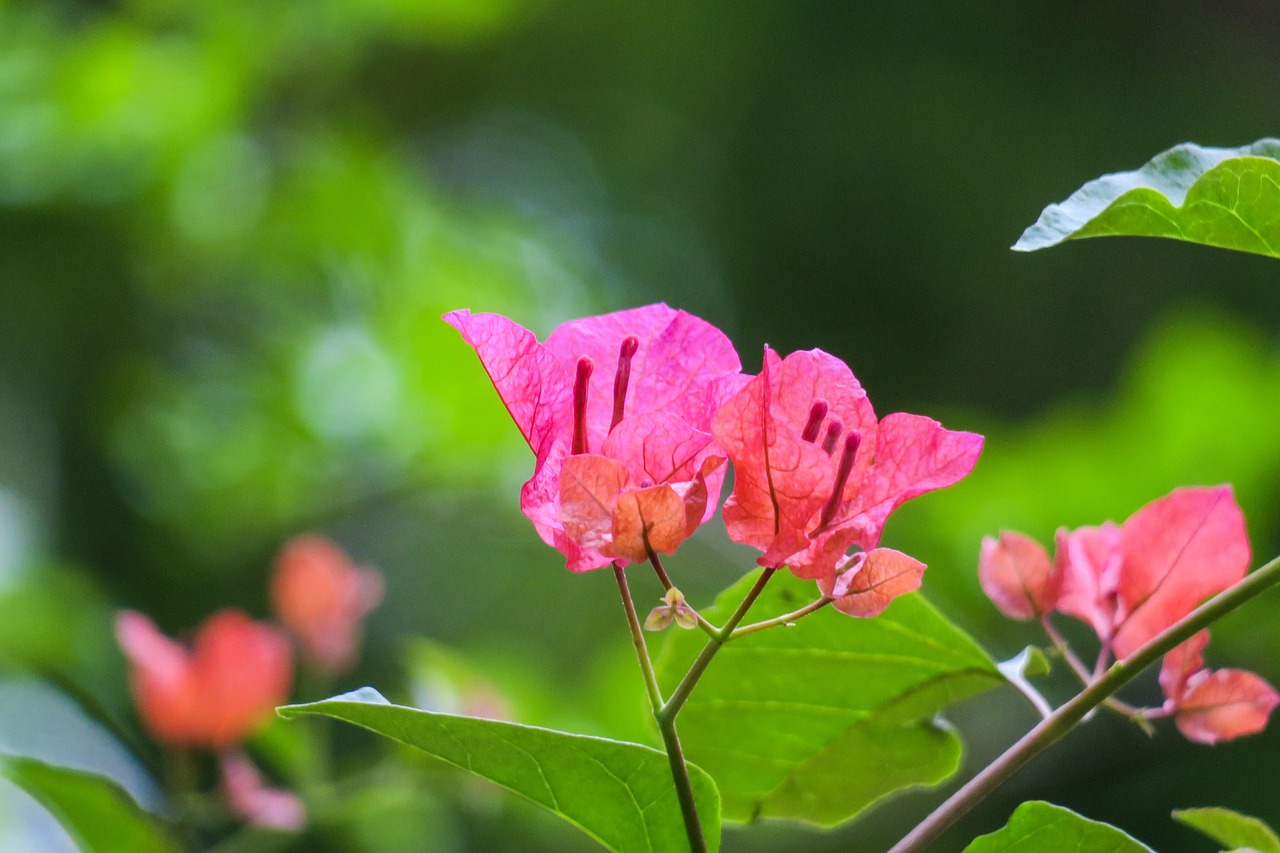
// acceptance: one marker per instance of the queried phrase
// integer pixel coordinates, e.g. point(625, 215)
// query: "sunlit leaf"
point(100, 816)
point(619, 793)
point(1231, 828)
point(817, 721)
point(1039, 826)
point(1225, 197)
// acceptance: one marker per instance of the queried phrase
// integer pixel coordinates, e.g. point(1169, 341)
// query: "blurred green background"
point(227, 232)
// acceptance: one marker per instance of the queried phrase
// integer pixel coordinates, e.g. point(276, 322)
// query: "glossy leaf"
point(98, 814)
point(1232, 829)
point(1224, 197)
point(817, 721)
point(1039, 826)
point(619, 793)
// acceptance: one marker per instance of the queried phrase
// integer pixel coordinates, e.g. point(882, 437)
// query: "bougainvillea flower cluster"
point(632, 415)
point(617, 410)
point(321, 597)
point(1131, 581)
point(215, 693)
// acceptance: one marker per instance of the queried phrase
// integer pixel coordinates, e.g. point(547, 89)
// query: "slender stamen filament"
point(580, 383)
point(833, 435)
point(814, 424)
point(628, 350)
point(851, 442)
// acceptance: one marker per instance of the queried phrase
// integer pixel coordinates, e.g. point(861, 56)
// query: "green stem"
point(1063, 719)
point(637, 640)
point(784, 619)
point(675, 755)
point(684, 788)
point(721, 636)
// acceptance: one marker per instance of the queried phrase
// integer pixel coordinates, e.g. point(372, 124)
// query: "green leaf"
point(619, 793)
point(1224, 197)
point(1231, 828)
point(98, 814)
point(1039, 826)
point(816, 721)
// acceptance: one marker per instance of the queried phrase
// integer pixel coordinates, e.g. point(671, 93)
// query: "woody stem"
point(1066, 717)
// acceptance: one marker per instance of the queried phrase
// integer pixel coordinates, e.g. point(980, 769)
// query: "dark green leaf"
point(100, 816)
point(1231, 828)
point(816, 721)
point(619, 793)
point(1038, 826)
point(1225, 197)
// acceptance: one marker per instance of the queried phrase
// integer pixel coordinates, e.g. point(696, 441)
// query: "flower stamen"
point(851, 442)
point(625, 353)
point(580, 384)
point(814, 425)
point(833, 435)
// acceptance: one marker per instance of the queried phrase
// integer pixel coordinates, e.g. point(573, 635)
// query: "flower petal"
point(874, 580)
point(1179, 665)
point(675, 370)
point(589, 488)
point(1178, 550)
point(1017, 576)
point(913, 455)
point(1226, 704)
point(1089, 559)
point(656, 514)
point(533, 385)
point(780, 480)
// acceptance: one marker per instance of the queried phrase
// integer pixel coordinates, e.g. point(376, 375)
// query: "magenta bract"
point(1213, 705)
point(815, 473)
point(617, 410)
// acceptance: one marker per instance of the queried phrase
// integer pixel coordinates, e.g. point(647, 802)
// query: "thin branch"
point(637, 640)
point(785, 619)
point(690, 680)
point(1065, 718)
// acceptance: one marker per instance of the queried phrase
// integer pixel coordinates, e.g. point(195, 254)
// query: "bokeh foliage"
point(227, 231)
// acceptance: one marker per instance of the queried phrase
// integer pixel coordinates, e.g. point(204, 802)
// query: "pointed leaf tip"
point(1223, 197)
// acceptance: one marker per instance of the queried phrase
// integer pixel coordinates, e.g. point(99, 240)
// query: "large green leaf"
point(816, 721)
point(619, 793)
point(1225, 197)
point(1038, 826)
point(1231, 828)
point(98, 814)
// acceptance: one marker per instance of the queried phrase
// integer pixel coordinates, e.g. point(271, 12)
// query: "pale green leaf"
point(94, 811)
point(816, 721)
point(619, 793)
point(1038, 826)
point(1224, 197)
point(1235, 830)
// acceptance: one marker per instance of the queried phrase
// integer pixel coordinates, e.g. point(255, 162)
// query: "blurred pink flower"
point(249, 798)
point(816, 474)
point(217, 692)
point(617, 410)
point(322, 598)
